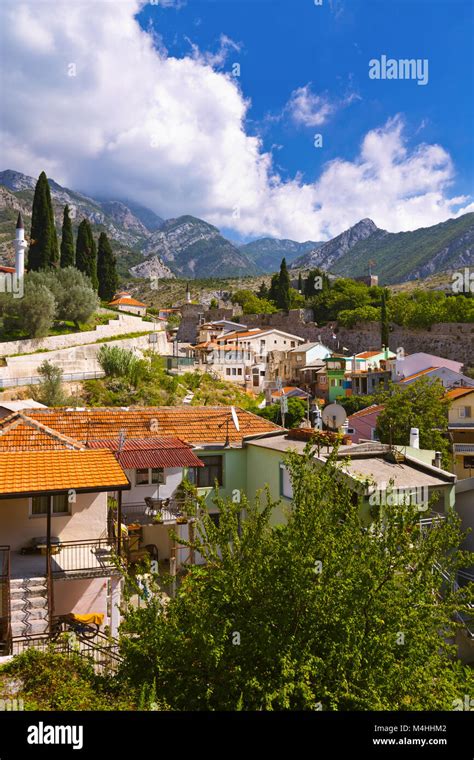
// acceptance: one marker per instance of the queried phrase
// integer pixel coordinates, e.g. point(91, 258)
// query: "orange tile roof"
point(7, 270)
point(194, 424)
point(287, 389)
point(48, 471)
point(21, 433)
point(368, 354)
point(124, 301)
point(236, 335)
point(458, 392)
point(374, 408)
point(418, 374)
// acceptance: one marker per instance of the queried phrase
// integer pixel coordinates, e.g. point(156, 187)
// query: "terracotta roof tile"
point(21, 433)
point(46, 471)
point(418, 374)
point(124, 301)
point(458, 392)
point(194, 424)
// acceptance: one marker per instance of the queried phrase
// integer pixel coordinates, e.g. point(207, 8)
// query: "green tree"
point(43, 251)
point(284, 298)
point(75, 299)
point(263, 291)
point(86, 253)
point(34, 313)
point(67, 241)
point(214, 303)
point(106, 269)
point(51, 390)
point(306, 614)
point(384, 325)
point(296, 412)
point(422, 405)
point(300, 283)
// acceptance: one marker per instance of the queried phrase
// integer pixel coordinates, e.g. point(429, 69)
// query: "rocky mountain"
point(397, 257)
point(404, 256)
point(193, 248)
point(267, 253)
point(328, 254)
point(188, 247)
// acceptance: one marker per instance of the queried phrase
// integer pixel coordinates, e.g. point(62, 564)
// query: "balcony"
point(92, 558)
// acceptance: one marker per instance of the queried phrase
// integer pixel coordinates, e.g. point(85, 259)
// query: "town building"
point(461, 430)
point(125, 302)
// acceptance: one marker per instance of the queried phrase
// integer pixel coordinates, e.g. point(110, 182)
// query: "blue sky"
point(286, 44)
point(136, 99)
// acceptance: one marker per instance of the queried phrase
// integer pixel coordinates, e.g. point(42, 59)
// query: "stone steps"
point(29, 606)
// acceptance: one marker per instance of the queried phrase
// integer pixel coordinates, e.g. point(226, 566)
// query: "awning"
point(139, 453)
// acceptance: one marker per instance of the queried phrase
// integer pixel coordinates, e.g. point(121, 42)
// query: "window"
point(465, 411)
point(468, 463)
point(227, 371)
point(239, 371)
point(212, 471)
point(234, 371)
point(286, 489)
point(215, 517)
point(149, 476)
point(292, 343)
point(59, 505)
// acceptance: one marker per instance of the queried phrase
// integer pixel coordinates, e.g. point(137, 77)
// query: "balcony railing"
point(89, 557)
point(5, 608)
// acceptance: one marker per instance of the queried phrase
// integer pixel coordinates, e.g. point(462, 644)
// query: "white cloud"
point(309, 109)
point(217, 59)
point(170, 133)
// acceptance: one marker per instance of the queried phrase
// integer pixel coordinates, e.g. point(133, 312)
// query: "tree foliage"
point(43, 251)
point(106, 269)
point(86, 252)
point(422, 405)
point(316, 613)
point(51, 390)
point(67, 241)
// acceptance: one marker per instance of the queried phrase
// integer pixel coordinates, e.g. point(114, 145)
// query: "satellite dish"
point(235, 419)
point(334, 416)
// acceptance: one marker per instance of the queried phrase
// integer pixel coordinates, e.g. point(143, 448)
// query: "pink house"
point(362, 424)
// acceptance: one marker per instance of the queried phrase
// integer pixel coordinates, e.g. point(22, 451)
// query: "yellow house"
point(461, 429)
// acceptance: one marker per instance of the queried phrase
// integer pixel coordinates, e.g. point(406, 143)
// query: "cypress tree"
point(86, 253)
point(43, 252)
point(106, 269)
point(384, 320)
point(283, 287)
point(67, 241)
point(300, 283)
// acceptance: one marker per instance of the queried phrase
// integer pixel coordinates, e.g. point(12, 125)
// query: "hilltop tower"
point(20, 247)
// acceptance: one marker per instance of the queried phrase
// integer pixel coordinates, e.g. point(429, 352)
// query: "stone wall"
point(451, 340)
point(125, 323)
point(76, 359)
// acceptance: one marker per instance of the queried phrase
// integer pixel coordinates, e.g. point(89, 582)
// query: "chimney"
point(414, 438)
point(437, 460)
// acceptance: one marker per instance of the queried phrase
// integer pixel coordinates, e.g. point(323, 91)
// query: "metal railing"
point(8, 382)
point(95, 556)
point(102, 651)
point(5, 608)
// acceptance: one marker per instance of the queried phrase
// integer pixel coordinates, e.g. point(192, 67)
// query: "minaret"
point(188, 293)
point(20, 247)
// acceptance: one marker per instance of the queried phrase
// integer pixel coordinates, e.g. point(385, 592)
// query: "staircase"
point(29, 606)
